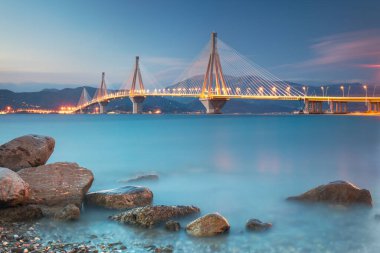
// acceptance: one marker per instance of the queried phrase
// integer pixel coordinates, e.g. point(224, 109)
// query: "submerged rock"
point(121, 198)
point(13, 189)
point(257, 225)
point(149, 216)
point(377, 217)
point(139, 178)
point(338, 192)
point(57, 184)
point(208, 225)
point(69, 212)
point(22, 213)
point(26, 151)
point(172, 225)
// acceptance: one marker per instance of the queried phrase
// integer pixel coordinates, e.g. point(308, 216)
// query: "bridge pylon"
point(214, 85)
point(83, 100)
point(137, 96)
point(100, 94)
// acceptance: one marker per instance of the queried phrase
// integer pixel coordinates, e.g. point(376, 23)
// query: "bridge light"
point(305, 88)
point(261, 91)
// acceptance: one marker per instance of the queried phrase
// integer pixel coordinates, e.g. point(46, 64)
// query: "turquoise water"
point(240, 166)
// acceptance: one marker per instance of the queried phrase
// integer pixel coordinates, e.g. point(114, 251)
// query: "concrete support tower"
point(100, 94)
point(313, 107)
point(338, 107)
point(214, 84)
point(373, 106)
point(137, 96)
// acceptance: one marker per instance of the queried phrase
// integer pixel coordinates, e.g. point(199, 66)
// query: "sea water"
point(241, 166)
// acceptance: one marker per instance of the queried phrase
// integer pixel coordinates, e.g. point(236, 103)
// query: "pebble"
point(27, 240)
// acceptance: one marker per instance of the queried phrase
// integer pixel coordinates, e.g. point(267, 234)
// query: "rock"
point(26, 151)
point(13, 189)
point(338, 192)
point(121, 198)
point(257, 225)
point(168, 249)
point(148, 216)
point(377, 217)
point(172, 225)
point(57, 183)
point(208, 225)
point(69, 212)
point(22, 213)
point(139, 178)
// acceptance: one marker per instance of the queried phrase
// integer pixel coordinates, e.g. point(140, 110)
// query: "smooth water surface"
point(240, 166)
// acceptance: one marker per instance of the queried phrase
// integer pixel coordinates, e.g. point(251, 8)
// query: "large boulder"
point(22, 213)
point(13, 189)
point(57, 183)
point(121, 198)
point(149, 216)
point(338, 192)
point(208, 225)
point(26, 151)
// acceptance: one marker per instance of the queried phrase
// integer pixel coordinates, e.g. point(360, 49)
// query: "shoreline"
point(370, 114)
point(25, 237)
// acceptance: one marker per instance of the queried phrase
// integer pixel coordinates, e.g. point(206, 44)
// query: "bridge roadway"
point(313, 104)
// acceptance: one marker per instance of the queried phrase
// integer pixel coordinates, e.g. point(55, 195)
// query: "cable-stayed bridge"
point(219, 74)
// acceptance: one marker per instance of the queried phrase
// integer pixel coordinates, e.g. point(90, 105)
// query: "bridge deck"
point(121, 95)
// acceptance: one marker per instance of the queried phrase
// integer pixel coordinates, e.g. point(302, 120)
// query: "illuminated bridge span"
point(219, 74)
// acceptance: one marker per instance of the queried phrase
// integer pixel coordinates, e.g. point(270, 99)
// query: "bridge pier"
point(313, 107)
point(137, 104)
point(102, 106)
point(373, 106)
point(213, 105)
point(338, 107)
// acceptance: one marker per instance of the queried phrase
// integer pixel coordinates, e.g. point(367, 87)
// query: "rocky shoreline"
point(31, 190)
point(23, 237)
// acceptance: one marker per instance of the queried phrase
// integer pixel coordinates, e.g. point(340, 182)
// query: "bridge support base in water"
point(373, 106)
point(214, 105)
point(313, 107)
point(137, 103)
point(102, 106)
point(338, 107)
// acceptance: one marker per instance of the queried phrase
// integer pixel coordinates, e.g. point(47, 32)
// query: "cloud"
point(345, 56)
point(370, 66)
point(166, 61)
point(349, 49)
point(46, 77)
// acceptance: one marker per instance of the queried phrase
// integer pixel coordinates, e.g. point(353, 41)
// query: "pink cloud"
point(360, 48)
point(370, 66)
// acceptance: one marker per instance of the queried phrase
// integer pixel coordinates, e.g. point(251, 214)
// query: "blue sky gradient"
point(73, 41)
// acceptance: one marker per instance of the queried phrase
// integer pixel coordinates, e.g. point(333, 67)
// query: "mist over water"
point(240, 166)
